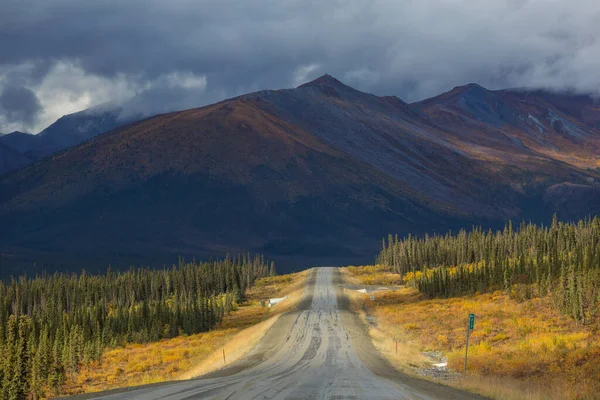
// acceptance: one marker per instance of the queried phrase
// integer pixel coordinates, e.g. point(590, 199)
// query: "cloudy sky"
point(62, 56)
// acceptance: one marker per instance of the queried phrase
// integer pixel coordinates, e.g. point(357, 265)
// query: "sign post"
point(470, 326)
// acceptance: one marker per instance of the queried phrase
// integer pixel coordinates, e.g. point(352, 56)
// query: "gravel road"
point(320, 351)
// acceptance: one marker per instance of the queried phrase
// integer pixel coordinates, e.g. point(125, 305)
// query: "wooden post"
point(467, 346)
point(396, 340)
point(224, 356)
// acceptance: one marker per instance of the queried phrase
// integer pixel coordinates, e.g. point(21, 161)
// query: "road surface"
point(320, 351)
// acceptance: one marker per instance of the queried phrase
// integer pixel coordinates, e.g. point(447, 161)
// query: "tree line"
point(52, 325)
point(561, 260)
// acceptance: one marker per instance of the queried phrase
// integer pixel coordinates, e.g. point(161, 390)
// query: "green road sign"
point(471, 321)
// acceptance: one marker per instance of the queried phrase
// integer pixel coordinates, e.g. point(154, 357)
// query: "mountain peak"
point(470, 87)
point(471, 91)
point(322, 81)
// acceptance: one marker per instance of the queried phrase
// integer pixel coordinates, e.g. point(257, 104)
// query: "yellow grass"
point(372, 275)
point(521, 350)
point(189, 356)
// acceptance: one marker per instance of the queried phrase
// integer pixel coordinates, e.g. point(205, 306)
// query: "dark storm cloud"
point(19, 104)
point(410, 48)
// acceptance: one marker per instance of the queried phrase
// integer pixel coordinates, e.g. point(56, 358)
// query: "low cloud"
point(169, 92)
point(305, 73)
point(19, 107)
point(67, 88)
point(185, 53)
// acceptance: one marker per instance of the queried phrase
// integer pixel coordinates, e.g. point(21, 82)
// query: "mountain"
point(512, 124)
point(18, 141)
point(315, 174)
point(78, 127)
point(223, 178)
point(67, 131)
point(537, 137)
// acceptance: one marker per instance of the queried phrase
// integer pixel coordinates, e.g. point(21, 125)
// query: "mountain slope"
point(378, 131)
point(517, 124)
point(302, 174)
point(470, 167)
point(584, 107)
point(222, 178)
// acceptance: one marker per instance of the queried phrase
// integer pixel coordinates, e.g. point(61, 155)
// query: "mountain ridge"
point(322, 171)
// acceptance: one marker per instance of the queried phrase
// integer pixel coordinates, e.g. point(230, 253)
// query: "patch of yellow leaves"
point(373, 275)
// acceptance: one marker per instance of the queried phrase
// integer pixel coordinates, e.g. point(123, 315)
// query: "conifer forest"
point(51, 326)
point(561, 261)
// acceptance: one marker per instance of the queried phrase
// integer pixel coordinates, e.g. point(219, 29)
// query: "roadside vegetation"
point(561, 262)
point(373, 275)
point(518, 350)
point(190, 355)
point(534, 293)
point(53, 327)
